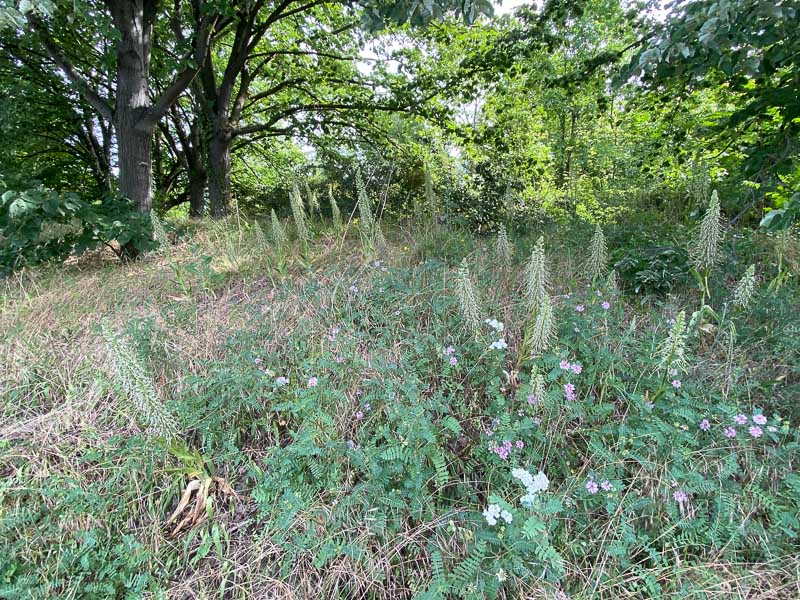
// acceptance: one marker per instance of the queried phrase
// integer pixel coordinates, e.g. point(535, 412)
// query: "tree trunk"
point(219, 171)
point(134, 139)
point(197, 192)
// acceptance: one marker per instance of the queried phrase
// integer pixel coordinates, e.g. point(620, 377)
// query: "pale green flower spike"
point(259, 236)
point(279, 236)
point(705, 249)
point(536, 275)
point(299, 214)
point(468, 299)
point(503, 247)
point(335, 213)
point(671, 353)
point(131, 378)
point(159, 233)
point(745, 289)
point(598, 255)
point(543, 331)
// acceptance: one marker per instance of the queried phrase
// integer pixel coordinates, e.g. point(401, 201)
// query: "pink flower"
point(449, 350)
point(760, 420)
point(453, 361)
point(564, 364)
point(532, 399)
point(730, 432)
point(591, 487)
point(312, 382)
point(569, 392)
point(705, 425)
point(755, 431)
point(359, 415)
point(680, 496)
point(606, 305)
point(676, 383)
point(576, 368)
point(740, 419)
point(606, 485)
point(257, 361)
point(281, 380)
point(520, 444)
point(580, 308)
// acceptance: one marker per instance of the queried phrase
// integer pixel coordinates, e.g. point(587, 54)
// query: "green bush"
point(39, 225)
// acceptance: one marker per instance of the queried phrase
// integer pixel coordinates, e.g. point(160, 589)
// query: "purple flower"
point(520, 444)
point(606, 305)
point(359, 415)
point(606, 485)
point(354, 289)
point(453, 361)
point(282, 380)
point(740, 419)
point(312, 382)
point(569, 392)
point(576, 368)
point(449, 350)
point(730, 432)
point(676, 383)
point(367, 406)
point(705, 425)
point(680, 496)
point(507, 444)
point(755, 431)
point(257, 361)
point(532, 399)
point(580, 308)
point(591, 486)
point(564, 364)
point(760, 420)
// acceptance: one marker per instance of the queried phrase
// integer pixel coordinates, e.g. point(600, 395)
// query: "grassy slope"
point(69, 466)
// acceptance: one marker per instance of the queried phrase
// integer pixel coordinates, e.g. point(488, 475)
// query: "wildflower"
point(743, 293)
point(580, 308)
point(298, 212)
point(540, 337)
point(491, 514)
point(352, 445)
point(740, 419)
point(680, 496)
point(495, 324)
point(501, 575)
point(335, 213)
point(280, 381)
point(598, 254)
point(576, 368)
point(760, 420)
point(705, 252)
point(564, 364)
point(498, 345)
point(506, 516)
point(279, 236)
point(676, 383)
point(312, 382)
point(599, 294)
point(730, 432)
point(569, 392)
point(453, 361)
point(755, 431)
point(503, 246)
point(533, 485)
point(520, 444)
point(591, 486)
point(449, 350)
point(606, 304)
point(359, 415)
point(671, 352)
point(705, 425)
point(468, 298)
point(354, 289)
point(606, 485)
point(536, 276)
point(532, 399)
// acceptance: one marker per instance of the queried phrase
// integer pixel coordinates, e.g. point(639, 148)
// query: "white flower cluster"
point(498, 345)
point(495, 324)
point(494, 512)
point(533, 485)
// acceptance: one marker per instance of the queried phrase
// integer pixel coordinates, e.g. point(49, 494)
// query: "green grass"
point(372, 482)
